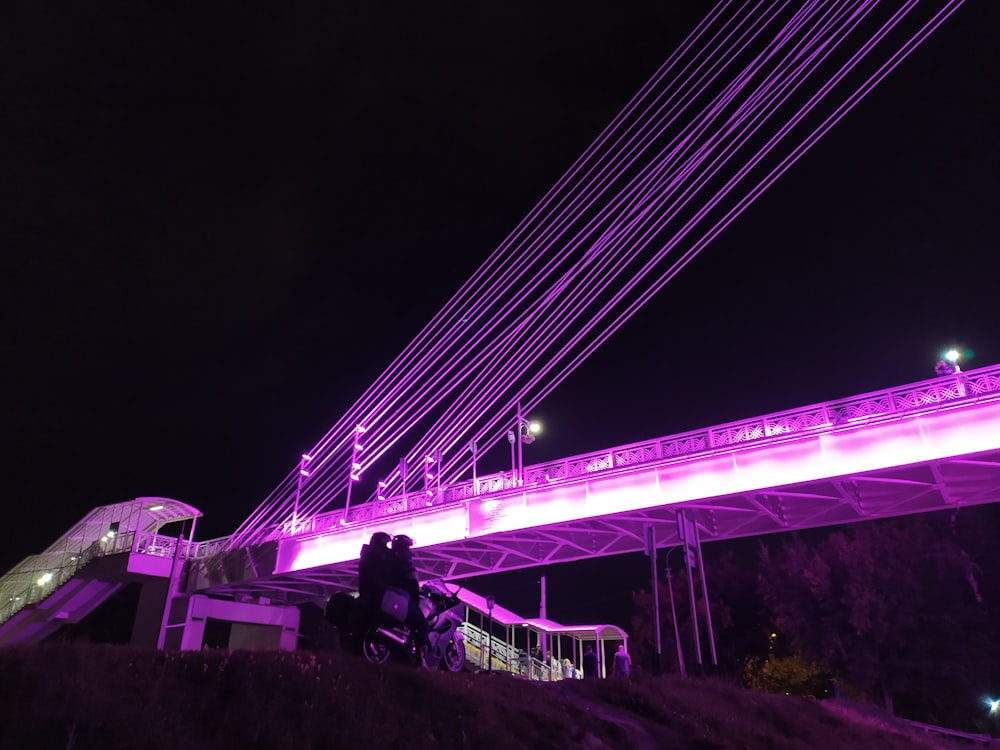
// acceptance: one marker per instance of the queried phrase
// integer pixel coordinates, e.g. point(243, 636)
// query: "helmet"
point(402, 541)
point(380, 539)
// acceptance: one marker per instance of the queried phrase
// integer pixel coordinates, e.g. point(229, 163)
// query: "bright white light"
point(534, 428)
point(994, 705)
point(44, 579)
point(157, 507)
point(952, 356)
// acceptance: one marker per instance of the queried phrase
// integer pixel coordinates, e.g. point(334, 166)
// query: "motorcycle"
point(381, 632)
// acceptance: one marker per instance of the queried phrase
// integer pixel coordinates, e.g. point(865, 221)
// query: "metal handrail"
point(27, 585)
point(868, 408)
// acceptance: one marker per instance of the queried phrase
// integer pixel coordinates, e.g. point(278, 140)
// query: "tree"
point(894, 607)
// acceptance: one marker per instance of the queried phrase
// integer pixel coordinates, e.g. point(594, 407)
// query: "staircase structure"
point(111, 546)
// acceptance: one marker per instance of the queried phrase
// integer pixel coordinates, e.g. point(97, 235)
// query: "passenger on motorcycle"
point(404, 576)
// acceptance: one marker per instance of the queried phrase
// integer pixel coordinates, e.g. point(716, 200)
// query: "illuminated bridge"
point(928, 446)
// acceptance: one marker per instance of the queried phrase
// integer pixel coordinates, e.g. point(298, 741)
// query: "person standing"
point(623, 663)
point(590, 666)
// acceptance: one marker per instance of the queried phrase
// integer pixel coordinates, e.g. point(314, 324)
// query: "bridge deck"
point(923, 447)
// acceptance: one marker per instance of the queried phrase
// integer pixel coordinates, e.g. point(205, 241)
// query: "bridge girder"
point(938, 485)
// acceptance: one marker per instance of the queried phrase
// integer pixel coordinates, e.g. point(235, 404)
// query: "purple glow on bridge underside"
point(344, 544)
point(844, 451)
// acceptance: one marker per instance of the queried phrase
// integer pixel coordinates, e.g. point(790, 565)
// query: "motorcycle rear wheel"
point(374, 647)
point(453, 658)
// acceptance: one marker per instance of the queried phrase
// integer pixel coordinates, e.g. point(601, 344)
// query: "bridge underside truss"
point(946, 484)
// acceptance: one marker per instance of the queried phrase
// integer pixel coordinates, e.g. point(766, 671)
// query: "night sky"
point(221, 223)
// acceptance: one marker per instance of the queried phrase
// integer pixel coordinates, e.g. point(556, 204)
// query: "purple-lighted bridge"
point(928, 446)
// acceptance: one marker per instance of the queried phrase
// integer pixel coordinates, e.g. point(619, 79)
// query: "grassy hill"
point(85, 696)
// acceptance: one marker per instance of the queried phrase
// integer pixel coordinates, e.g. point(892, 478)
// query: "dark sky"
point(220, 224)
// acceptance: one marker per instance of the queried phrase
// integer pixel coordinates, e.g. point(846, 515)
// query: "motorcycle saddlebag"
point(395, 602)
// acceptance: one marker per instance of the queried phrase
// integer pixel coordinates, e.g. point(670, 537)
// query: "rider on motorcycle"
point(404, 575)
point(374, 572)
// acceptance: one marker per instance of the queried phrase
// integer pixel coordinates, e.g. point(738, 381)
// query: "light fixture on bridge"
point(354, 474)
point(524, 432)
point(432, 477)
point(46, 577)
point(303, 474)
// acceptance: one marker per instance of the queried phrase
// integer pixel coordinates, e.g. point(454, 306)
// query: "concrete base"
point(254, 626)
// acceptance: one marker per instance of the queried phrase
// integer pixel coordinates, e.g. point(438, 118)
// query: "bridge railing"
point(38, 577)
point(868, 408)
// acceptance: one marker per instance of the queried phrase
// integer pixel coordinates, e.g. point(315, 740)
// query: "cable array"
point(751, 89)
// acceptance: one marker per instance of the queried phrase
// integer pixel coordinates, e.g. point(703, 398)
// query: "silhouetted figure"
point(622, 664)
point(404, 576)
point(944, 367)
point(590, 666)
point(374, 574)
point(375, 566)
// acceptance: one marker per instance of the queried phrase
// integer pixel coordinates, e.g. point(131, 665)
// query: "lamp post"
point(303, 474)
point(354, 472)
point(474, 447)
point(490, 601)
point(523, 433)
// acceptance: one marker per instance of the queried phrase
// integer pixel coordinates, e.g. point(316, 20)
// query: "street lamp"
point(490, 601)
point(523, 433)
point(474, 447)
point(303, 475)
